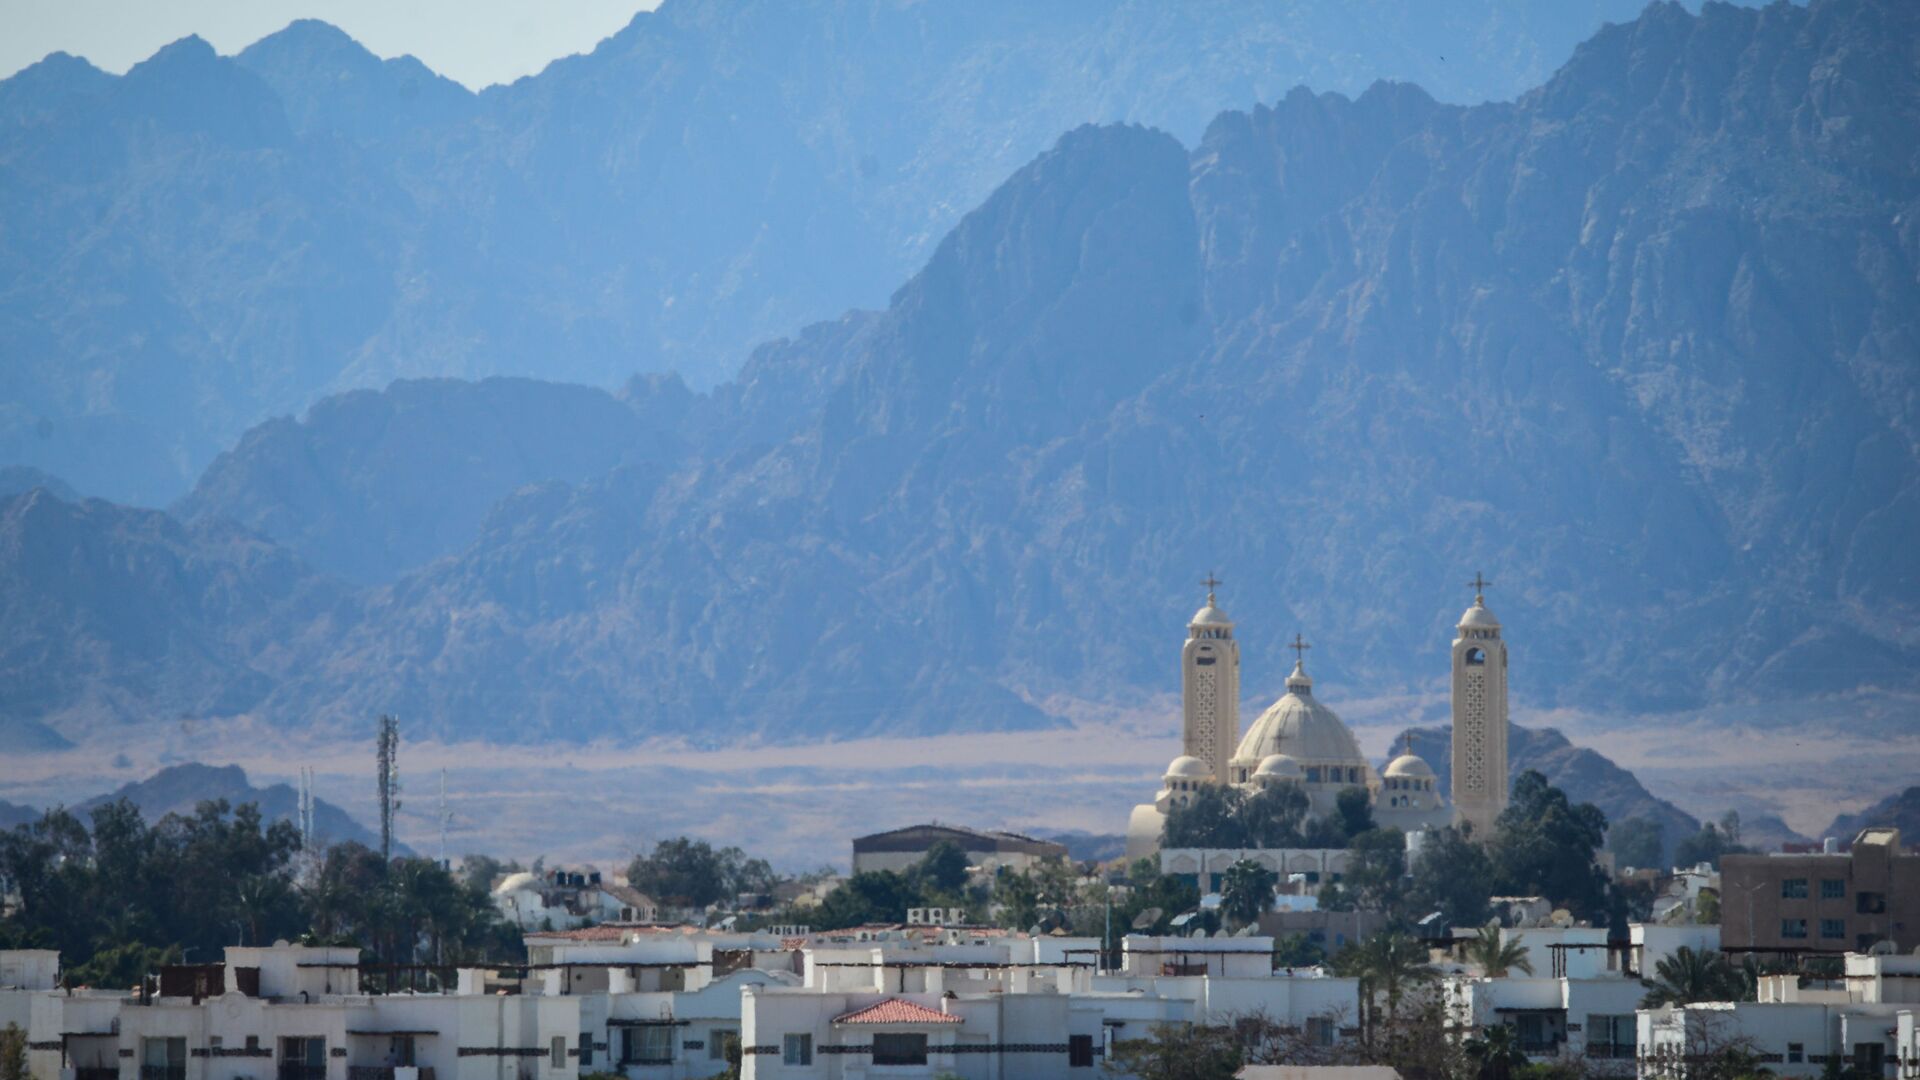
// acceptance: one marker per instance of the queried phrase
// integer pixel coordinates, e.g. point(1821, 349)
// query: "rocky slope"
point(1900, 810)
point(207, 241)
point(1640, 344)
point(1584, 774)
point(178, 789)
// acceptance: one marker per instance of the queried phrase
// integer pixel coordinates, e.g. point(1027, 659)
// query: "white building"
point(1300, 740)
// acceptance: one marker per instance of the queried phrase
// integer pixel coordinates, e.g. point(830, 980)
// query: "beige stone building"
point(1300, 739)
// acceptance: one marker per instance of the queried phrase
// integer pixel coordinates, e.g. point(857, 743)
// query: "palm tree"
point(1496, 957)
point(1687, 977)
point(1386, 964)
point(1247, 891)
point(1497, 1052)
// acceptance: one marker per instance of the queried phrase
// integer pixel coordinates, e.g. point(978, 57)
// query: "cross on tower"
point(1479, 585)
point(1211, 582)
point(1299, 646)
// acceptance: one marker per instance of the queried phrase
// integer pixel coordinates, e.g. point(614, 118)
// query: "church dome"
point(1279, 767)
point(1187, 767)
point(1301, 728)
point(1409, 766)
point(1209, 615)
point(516, 882)
point(1478, 617)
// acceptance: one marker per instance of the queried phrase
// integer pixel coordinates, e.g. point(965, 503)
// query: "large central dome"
point(1303, 729)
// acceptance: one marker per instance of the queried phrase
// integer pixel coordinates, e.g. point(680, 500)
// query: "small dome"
point(516, 882)
point(1209, 615)
point(1409, 765)
point(1187, 767)
point(1478, 617)
point(1279, 766)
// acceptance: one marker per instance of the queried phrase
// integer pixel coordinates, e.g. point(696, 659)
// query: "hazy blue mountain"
point(1640, 344)
point(208, 242)
point(179, 789)
point(1586, 775)
point(369, 484)
point(1900, 810)
point(15, 479)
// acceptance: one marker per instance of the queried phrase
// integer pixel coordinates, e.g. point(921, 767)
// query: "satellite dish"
point(1246, 931)
point(1146, 919)
point(1561, 918)
point(1883, 947)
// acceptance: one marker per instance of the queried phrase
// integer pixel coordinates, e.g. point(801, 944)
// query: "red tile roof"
point(895, 1011)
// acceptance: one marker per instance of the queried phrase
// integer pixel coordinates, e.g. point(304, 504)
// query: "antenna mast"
point(446, 818)
point(388, 764)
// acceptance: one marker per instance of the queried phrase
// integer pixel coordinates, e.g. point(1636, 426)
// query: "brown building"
point(901, 849)
point(1827, 902)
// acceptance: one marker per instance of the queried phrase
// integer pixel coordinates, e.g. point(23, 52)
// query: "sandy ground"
point(798, 805)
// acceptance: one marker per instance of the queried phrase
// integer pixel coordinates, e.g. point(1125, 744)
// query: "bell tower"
point(1480, 781)
point(1210, 687)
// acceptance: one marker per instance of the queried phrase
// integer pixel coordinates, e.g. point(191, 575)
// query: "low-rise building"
point(1826, 902)
point(902, 849)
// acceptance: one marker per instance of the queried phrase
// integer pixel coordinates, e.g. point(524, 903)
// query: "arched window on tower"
point(1476, 656)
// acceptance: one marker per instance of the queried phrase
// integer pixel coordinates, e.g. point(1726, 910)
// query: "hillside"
point(1639, 344)
point(1900, 810)
point(178, 789)
point(208, 242)
point(1584, 774)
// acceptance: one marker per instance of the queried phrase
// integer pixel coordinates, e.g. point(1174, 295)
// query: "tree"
point(1688, 976)
point(1495, 956)
point(1637, 842)
point(1353, 808)
point(1706, 910)
point(1272, 816)
point(1297, 951)
point(1496, 1053)
point(1179, 1052)
point(1211, 820)
point(1376, 877)
point(1546, 847)
point(13, 1052)
point(681, 872)
point(944, 868)
point(1247, 891)
point(1709, 844)
point(1150, 890)
point(1386, 964)
point(876, 896)
point(1453, 876)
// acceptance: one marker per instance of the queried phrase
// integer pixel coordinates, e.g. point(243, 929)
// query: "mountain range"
point(207, 241)
point(179, 789)
point(1640, 343)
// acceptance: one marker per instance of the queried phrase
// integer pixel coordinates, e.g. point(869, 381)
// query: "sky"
point(477, 42)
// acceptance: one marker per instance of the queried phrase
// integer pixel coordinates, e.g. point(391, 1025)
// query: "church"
point(1300, 739)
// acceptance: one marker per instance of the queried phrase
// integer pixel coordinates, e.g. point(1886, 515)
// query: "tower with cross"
point(1479, 716)
point(1210, 686)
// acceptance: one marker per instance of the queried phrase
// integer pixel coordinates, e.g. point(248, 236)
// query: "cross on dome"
point(1479, 585)
point(1299, 646)
point(1211, 583)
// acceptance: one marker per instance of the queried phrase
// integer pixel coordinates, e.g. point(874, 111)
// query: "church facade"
point(1300, 740)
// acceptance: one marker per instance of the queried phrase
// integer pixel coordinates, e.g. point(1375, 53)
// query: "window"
point(1319, 1031)
point(303, 1058)
point(1476, 656)
point(797, 1049)
point(717, 1042)
point(1833, 888)
point(1793, 928)
point(1793, 888)
point(400, 1051)
point(1610, 1035)
point(1079, 1051)
point(1833, 928)
point(1796, 1053)
point(163, 1059)
point(899, 1048)
point(557, 1055)
point(586, 1049)
point(1870, 903)
point(650, 1045)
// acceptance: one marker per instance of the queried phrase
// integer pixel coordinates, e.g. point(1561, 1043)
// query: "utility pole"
point(388, 764)
point(309, 858)
point(446, 818)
